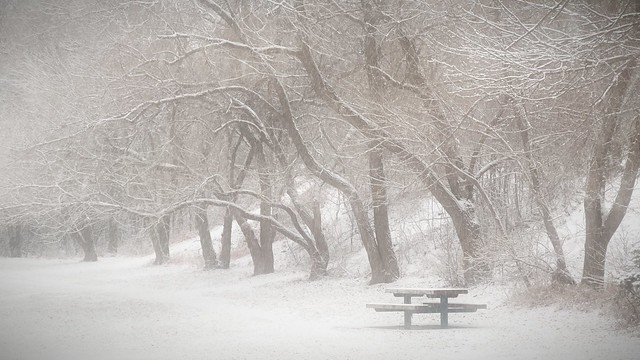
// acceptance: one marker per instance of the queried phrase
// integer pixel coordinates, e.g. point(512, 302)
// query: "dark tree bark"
point(202, 224)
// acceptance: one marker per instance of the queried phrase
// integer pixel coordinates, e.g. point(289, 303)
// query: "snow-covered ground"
point(123, 308)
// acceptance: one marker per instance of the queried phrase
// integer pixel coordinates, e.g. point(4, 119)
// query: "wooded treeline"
point(135, 112)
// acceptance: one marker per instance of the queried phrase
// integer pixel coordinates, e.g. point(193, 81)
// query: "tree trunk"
point(595, 246)
point(381, 213)
point(234, 183)
point(376, 166)
point(113, 234)
point(84, 237)
point(202, 224)
point(561, 274)
point(600, 227)
point(160, 232)
point(474, 263)
point(266, 231)
point(318, 266)
point(462, 215)
point(458, 200)
point(165, 232)
point(225, 250)
point(317, 249)
point(252, 243)
point(318, 236)
point(378, 272)
point(15, 241)
point(262, 249)
point(366, 234)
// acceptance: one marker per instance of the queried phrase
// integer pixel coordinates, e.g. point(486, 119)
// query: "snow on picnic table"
point(123, 309)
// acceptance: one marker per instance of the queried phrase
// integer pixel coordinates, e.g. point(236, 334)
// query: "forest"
point(136, 124)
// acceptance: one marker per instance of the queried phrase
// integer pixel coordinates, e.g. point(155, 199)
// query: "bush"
point(627, 300)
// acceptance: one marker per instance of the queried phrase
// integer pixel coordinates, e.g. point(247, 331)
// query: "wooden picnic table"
point(444, 307)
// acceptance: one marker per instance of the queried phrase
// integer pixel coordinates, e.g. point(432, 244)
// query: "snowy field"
point(123, 308)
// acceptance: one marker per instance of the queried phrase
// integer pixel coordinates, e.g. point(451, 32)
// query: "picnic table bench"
point(444, 307)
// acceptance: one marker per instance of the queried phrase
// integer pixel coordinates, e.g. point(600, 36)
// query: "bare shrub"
point(626, 304)
point(581, 298)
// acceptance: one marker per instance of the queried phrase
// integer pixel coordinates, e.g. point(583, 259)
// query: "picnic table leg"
point(407, 314)
point(444, 311)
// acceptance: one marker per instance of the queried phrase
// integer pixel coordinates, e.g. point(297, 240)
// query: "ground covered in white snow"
point(124, 308)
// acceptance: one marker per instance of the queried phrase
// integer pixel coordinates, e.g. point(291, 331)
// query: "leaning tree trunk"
point(202, 224)
point(252, 243)
point(318, 249)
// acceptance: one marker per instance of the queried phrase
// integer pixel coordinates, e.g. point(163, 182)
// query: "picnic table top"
point(448, 292)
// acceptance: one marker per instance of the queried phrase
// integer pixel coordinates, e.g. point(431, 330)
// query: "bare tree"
point(602, 224)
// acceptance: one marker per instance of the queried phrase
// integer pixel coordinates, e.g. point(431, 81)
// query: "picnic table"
point(444, 307)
